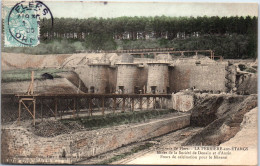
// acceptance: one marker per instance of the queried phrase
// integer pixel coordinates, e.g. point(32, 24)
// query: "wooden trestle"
point(117, 101)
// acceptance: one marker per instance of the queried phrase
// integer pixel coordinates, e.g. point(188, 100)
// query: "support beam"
point(77, 106)
point(27, 108)
point(160, 102)
point(74, 107)
point(34, 105)
point(147, 103)
point(61, 110)
point(56, 107)
point(154, 55)
point(133, 104)
point(41, 108)
point(141, 103)
point(103, 106)
point(19, 112)
point(154, 102)
point(90, 107)
point(123, 106)
point(114, 99)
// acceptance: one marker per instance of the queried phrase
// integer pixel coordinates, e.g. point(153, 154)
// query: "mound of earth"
point(54, 128)
point(87, 58)
point(57, 85)
point(226, 120)
point(247, 136)
point(11, 61)
point(247, 83)
point(212, 107)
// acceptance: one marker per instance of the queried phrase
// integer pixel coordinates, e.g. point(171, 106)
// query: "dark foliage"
point(230, 37)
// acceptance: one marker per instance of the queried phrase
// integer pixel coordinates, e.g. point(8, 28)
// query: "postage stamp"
point(22, 23)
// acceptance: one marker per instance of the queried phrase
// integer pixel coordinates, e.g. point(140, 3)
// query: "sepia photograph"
point(129, 82)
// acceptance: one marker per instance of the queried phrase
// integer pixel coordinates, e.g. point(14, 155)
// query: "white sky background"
point(83, 9)
point(117, 9)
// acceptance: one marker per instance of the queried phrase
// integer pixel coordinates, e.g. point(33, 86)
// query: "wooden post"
point(41, 108)
point(56, 107)
point(67, 101)
point(61, 110)
point(77, 106)
point(154, 99)
point(148, 102)
point(154, 55)
point(74, 107)
point(160, 102)
point(91, 106)
point(114, 105)
point(88, 107)
point(30, 88)
point(103, 106)
point(133, 104)
point(34, 103)
point(123, 104)
point(32, 82)
point(98, 104)
point(141, 103)
point(19, 112)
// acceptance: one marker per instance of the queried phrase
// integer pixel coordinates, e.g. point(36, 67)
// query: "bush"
point(49, 47)
point(100, 42)
point(228, 45)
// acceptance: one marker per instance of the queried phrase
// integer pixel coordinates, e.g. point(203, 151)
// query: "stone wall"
point(183, 74)
point(22, 147)
point(112, 79)
point(142, 78)
point(158, 75)
point(211, 76)
point(127, 76)
point(94, 76)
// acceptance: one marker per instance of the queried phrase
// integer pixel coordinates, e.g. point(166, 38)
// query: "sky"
point(83, 9)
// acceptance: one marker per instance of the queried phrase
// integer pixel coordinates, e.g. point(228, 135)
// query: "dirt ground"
point(223, 120)
point(44, 128)
point(11, 61)
point(246, 137)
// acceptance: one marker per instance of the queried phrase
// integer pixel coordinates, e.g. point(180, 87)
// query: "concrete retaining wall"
point(203, 75)
point(21, 146)
point(210, 76)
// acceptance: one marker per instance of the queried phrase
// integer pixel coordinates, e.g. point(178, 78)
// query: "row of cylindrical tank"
point(125, 78)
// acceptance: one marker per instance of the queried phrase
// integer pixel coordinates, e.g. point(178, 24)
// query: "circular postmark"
point(24, 21)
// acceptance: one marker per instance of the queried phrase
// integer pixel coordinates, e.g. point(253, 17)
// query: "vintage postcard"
point(129, 83)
